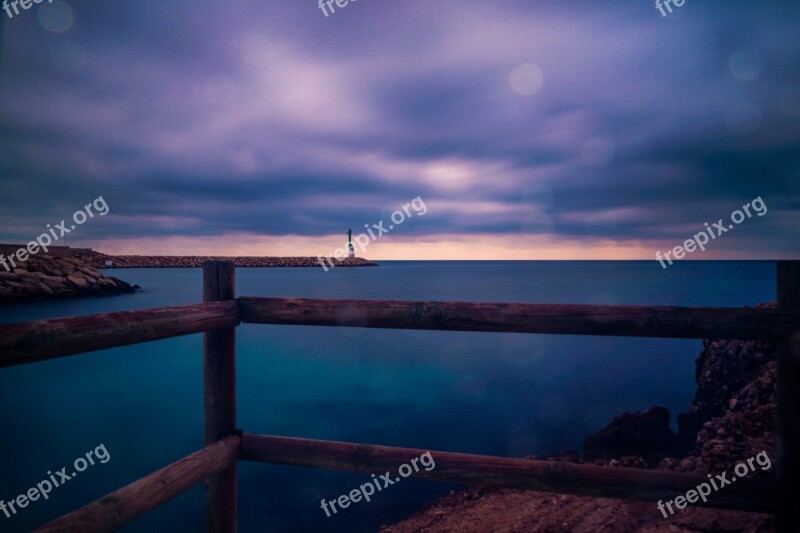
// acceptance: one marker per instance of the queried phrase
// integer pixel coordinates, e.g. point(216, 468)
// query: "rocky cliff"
point(731, 418)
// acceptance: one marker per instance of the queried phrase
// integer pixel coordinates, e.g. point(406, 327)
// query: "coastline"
point(67, 272)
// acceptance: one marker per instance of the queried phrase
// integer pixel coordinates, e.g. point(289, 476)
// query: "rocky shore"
point(44, 277)
point(99, 260)
point(71, 272)
point(731, 418)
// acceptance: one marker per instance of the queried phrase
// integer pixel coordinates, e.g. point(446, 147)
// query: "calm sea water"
point(500, 394)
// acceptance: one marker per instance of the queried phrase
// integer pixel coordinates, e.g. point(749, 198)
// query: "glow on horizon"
point(392, 248)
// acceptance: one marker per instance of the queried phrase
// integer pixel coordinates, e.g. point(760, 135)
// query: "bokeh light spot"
point(526, 79)
point(746, 64)
point(56, 17)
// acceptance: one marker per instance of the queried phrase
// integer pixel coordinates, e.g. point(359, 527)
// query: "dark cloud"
point(206, 118)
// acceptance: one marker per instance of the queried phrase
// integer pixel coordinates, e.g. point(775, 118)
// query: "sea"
point(504, 394)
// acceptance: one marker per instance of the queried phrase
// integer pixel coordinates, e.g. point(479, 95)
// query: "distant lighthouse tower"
point(351, 251)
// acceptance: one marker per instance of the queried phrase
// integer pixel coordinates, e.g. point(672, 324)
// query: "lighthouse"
point(351, 251)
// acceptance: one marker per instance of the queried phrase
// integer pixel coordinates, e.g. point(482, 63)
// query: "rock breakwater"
point(195, 261)
point(44, 277)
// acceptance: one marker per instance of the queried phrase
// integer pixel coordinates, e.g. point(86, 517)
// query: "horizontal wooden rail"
point(140, 497)
point(29, 342)
point(616, 320)
point(566, 478)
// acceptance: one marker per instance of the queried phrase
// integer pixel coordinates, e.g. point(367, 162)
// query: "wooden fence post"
point(788, 354)
point(219, 370)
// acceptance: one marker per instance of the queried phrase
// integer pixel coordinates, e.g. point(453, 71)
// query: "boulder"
point(645, 434)
point(76, 281)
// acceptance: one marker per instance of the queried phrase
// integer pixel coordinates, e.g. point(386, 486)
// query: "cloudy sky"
point(530, 129)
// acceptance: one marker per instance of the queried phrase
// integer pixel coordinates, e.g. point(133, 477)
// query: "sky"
point(529, 130)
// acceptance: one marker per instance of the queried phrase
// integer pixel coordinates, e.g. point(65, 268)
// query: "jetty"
point(227, 444)
point(98, 260)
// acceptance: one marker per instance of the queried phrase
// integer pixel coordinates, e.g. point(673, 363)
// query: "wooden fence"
point(220, 313)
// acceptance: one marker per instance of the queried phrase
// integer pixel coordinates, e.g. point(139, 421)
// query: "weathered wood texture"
point(631, 321)
point(559, 477)
point(140, 497)
point(788, 469)
point(219, 371)
point(38, 340)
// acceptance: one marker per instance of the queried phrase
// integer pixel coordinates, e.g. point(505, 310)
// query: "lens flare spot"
point(56, 17)
point(746, 64)
point(526, 79)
